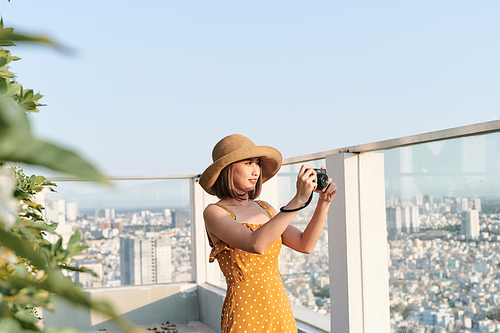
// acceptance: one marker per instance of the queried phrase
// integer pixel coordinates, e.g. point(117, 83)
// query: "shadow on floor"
point(184, 327)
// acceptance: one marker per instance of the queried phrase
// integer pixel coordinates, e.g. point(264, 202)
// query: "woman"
point(246, 234)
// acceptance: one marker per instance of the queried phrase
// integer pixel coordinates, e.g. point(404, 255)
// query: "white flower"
point(9, 206)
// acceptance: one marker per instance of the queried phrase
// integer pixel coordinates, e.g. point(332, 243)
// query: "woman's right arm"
point(231, 232)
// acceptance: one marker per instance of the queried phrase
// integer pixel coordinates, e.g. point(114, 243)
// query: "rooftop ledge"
point(191, 307)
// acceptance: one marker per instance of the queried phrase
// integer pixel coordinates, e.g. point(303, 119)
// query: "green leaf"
point(28, 100)
point(7, 37)
point(26, 317)
point(74, 240)
point(22, 248)
point(37, 179)
point(21, 272)
point(80, 269)
point(57, 246)
point(10, 325)
point(48, 183)
point(12, 119)
point(17, 144)
point(76, 250)
point(74, 246)
point(9, 89)
point(62, 286)
point(52, 227)
point(49, 228)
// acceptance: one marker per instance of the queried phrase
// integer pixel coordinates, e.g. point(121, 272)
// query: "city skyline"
point(306, 277)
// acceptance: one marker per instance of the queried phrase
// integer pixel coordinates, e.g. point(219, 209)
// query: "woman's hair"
point(224, 186)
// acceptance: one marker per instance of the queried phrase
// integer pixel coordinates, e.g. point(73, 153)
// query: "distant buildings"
point(393, 220)
point(109, 214)
point(71, 211)
point(470, 224)
point(476, 203)
point(145, 259)
point(86, 279)
point(180, 218)
point(405, 216)
point(403, 219)
point(55, 212)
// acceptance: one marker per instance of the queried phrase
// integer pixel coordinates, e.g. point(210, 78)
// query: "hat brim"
point(270, 163)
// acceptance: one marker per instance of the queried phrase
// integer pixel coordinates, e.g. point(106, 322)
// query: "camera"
point(322, 179)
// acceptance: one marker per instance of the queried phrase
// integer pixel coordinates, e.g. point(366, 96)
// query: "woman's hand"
point(328, 193)
point(306, 183)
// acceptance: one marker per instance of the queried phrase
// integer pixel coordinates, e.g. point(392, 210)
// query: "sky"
point(151, 86)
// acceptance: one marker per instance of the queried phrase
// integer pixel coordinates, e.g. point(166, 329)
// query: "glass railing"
point(443, 224)
point(305, 276)
point(138, 231)
point(443, 231)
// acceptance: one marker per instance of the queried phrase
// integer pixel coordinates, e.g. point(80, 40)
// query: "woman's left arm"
point(305, 241)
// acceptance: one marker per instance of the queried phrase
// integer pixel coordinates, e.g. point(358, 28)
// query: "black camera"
point(322, 179)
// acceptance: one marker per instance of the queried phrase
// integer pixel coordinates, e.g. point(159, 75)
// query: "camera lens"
point(321, 179)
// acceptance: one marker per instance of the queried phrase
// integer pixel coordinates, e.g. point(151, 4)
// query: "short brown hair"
point(224, 186)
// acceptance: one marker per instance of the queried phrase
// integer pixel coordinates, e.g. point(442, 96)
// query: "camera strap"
point(282, 209)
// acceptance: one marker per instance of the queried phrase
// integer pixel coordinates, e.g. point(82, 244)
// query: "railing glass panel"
point(305, 275)
point(443, 223)
point(138, 231)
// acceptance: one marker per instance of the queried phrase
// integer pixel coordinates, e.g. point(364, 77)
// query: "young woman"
point(246, 235)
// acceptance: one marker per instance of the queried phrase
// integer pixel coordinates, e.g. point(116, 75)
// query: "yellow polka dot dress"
point(256, 300)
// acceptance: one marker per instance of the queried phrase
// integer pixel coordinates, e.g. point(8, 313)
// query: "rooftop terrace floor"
point(183, 327)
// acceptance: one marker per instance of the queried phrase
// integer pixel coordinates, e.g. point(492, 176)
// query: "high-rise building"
point(465, 204)
point(55, 212)
point(415, 219)
point(180, 218)
point(135, 219)
point(406, 219)
point(109, 214)
point(393, 220)
point(145, 259)
point(476, 204)
point(71, 211)
point(168, 216)
point(470, 224)
point(86, 279)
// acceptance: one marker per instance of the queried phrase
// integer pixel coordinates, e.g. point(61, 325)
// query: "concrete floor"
point(184, 327)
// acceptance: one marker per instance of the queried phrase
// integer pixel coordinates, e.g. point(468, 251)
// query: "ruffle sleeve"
point(218, 248)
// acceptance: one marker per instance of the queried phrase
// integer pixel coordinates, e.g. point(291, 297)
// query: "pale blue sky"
point(153, 85)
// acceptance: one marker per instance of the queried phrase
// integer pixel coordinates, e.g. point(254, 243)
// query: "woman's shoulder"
point(212, 208)
point(263, 203)
point(217, 209)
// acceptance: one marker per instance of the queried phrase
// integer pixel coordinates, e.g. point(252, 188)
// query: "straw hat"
point(237, 147)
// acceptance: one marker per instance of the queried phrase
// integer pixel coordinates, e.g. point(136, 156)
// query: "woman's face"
point(245, 174)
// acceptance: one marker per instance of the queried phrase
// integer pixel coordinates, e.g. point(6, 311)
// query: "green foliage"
point(25, 98)
point(494, 314)
point(31, 268)
point(403, 310)
point(8, 37)
point(19, 145)
point(17, 142)
point(322, 292)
